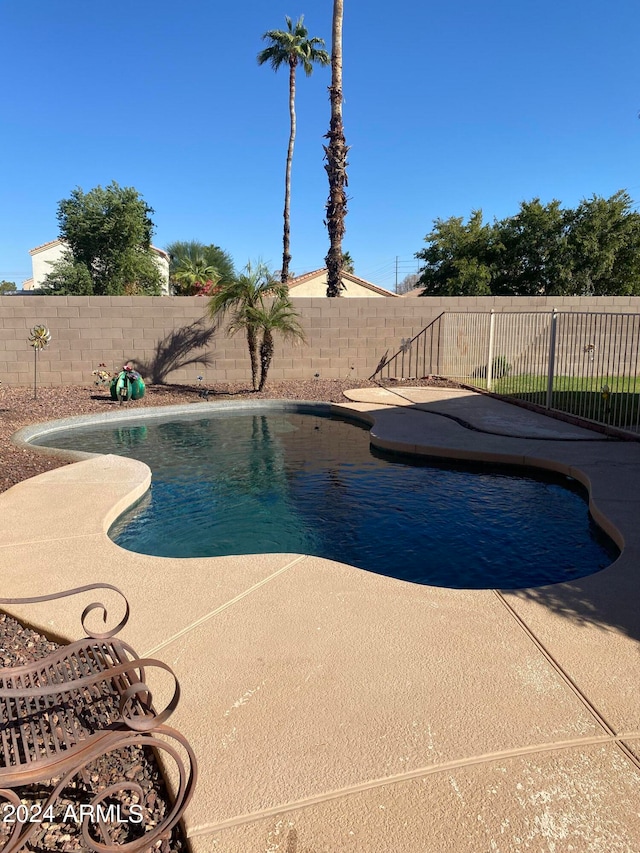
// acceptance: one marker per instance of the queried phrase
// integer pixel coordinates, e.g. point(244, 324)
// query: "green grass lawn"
point(578, 395)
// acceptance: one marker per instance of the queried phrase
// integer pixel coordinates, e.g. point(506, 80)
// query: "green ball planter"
point(127, 385)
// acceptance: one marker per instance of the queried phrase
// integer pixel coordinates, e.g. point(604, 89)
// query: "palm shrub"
point(500, 367)
point(196, 267)
point(192, 276)
point(244, 298)
point(279, 317)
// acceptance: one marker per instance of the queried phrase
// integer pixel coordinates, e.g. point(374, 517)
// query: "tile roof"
point(306, 276)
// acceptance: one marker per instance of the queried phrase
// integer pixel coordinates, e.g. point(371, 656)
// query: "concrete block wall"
point(345, 337)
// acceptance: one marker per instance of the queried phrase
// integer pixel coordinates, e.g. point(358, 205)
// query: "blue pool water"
point(301, 483)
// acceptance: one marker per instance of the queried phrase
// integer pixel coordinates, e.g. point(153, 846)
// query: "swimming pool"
point(271, 482)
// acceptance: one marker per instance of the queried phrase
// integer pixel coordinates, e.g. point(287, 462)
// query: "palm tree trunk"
point(253, 354)
point(336, 154)
point(286, 252)
point(266, 354)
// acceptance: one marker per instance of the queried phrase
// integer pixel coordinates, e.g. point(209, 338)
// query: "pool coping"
point(587, 654)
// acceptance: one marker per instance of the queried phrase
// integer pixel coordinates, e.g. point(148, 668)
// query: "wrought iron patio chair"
point(83, 701)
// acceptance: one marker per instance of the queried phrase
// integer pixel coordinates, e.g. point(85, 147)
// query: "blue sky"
point(449, 106)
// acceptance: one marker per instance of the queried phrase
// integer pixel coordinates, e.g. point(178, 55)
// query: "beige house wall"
point(41, 262)
point(345, 337)
point(317, 287)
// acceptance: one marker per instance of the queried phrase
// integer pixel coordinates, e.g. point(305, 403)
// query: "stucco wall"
point(42, 260)
point(317, 286)
point(345, 337)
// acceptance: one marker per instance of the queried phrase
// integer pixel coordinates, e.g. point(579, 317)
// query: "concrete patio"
point(336, 710)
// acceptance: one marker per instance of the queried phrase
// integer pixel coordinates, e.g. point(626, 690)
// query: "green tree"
point(7, 287)
point(193, 263)
point(108, 233)
point(336, 155)
point(544, 250)
point(68, 278)
point(291, 47)
point(243, 297)
point(458, 258)
point(604, 241)
point(278, 317)
point(534, 259)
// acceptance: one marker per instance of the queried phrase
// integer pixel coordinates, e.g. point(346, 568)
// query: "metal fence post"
point(552, 358)
point(442, 319)
point(490, 354)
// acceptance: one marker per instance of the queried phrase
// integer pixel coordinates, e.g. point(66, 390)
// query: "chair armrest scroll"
point(96, 605)
point(140, 691)
point(133, 671)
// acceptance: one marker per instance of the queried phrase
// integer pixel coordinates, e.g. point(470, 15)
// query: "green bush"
point(500, 367)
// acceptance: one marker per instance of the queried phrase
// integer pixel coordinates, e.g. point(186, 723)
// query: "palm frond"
point(247, 289)
point(292, 46)
point(280, 316)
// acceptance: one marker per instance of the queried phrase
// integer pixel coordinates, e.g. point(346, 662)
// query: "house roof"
point(346, 276)
point(44, 246)
point(58, 241)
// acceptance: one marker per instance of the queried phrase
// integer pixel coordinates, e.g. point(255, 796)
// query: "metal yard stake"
point(38, 339)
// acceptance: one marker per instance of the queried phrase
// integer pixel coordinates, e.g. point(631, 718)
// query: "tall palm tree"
point(336, 154)
point(291, 47)
point(242, 295)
